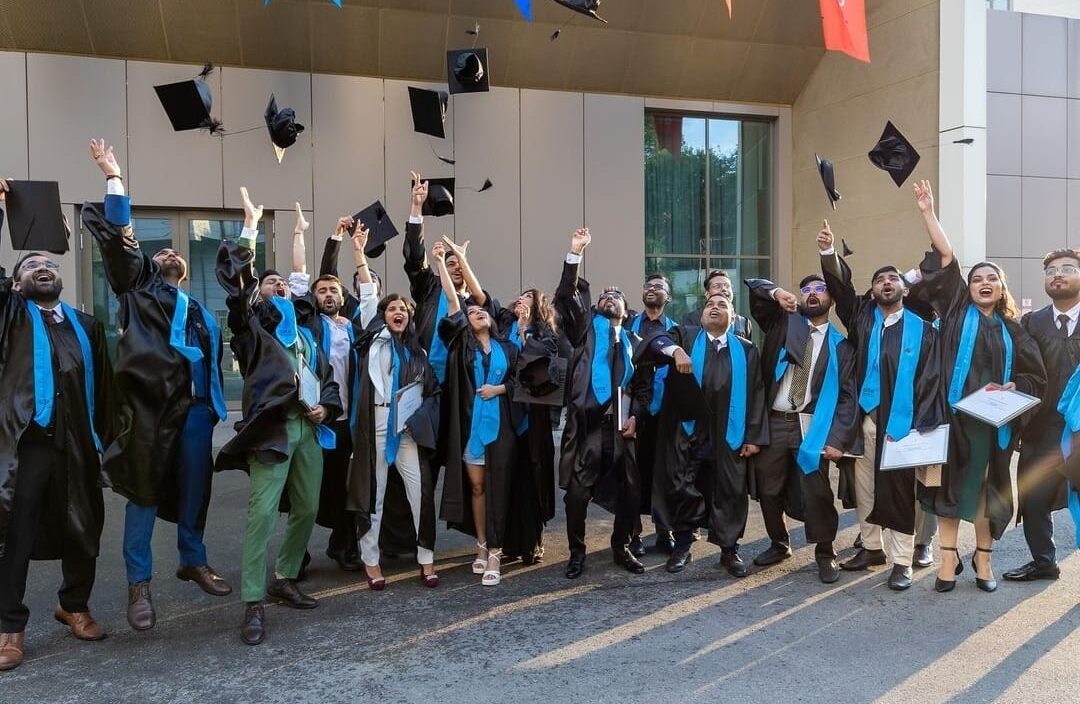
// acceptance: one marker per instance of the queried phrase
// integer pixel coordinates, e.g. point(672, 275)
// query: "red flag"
point(844, 22)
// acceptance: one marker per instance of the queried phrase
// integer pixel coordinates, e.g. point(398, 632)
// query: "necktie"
point(1063, 324)
point(49, 317)
point(801, 374)
point(717, 344)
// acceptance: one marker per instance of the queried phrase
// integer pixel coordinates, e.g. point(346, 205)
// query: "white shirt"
point(340, 347)
point(57, 311)
point(781, 402)
point(893, 318)
point(670, 349)
point(1073, 313)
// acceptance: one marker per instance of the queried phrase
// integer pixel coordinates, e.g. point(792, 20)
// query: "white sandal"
point(480, 563)
point(491, 577)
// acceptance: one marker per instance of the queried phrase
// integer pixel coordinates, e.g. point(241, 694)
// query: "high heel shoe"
point(375, 584)
point(428, 580)
point(987, 585)
point(492, 577)
point(947, 585)
point(479, 563)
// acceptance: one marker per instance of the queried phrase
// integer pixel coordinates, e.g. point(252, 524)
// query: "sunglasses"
point(654, 286)
point(814, 288)
point(611, 294)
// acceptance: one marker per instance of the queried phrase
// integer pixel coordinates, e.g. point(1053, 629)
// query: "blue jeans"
point(193, 470)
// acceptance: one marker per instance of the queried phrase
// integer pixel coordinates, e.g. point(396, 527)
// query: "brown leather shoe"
point(140, 611)
point(11, 650)
point(206, 577)
point(82, 625)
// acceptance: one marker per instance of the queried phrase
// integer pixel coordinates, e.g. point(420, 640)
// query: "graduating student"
point(480, 434)
point(56, 379)
point(169, 398)
point(808, 369)
point(982, 344)
point(699, 477)
point(530, 325)
point(280, 438)
point(595, 441)
point(394, 510)
point(1040, 479)
point(717, 281)
point(897, 371)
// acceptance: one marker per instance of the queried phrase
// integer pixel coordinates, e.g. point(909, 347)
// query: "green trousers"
point(301, 473)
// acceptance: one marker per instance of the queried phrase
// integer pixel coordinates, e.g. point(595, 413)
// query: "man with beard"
point(897, 375)
point(595, 440)
point(699, 476)
point(1040, 482)
point(289, 391)
point(717, 281)
point(808, 369)
point(169, 385)
point(56, 380)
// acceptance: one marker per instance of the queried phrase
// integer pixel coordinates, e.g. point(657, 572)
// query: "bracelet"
point(110, 177)
point(362, 265)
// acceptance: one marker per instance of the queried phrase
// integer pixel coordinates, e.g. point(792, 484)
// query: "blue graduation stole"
point(736, 423)
point(963, 363)
point(515, 336)
point(44, 383)
point(325, 436)
point(809, 455)
point(1069, 407)
point(438, 353)
point(903, 402)
point(285, 331)
point(393, 437)
point(601, 369)
point(484, 427)
point(661, 373)
point(178, 341)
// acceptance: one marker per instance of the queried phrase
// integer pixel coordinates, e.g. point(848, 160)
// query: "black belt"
point(788, 416)
point(382, 405)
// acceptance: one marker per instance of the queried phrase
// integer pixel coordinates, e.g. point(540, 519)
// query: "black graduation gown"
point(499, 456)
point(270, 391)
point(743, 326)
point(947, 291)
point(72, 520)
point(397, 533)
point(153, 380)
point(894, 490)
point(698, 480)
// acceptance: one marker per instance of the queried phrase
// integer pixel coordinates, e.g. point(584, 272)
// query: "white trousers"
point(898, 546)
point(408, 466)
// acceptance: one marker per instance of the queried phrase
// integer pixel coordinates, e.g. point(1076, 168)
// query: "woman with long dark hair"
point(479, 435)
point(983, 345)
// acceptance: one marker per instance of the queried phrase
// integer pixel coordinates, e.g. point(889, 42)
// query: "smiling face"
point(887, 288)
point(814, 299)
point(329, 297)
point(985, 286)
point(1062, 278)
point(479, 320)
point(172, 265)
point(274, 285)
point(612, 304)
point(38, 279)
point(396, 316)
point(717, 314)
point(655, 292)
point(453, 267)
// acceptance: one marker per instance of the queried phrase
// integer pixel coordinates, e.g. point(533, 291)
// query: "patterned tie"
point(801, 373)
point(49, 317)
point(1063, 324)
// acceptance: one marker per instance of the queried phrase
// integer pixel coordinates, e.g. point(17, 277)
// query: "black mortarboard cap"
point(541, 379)
point(825, 170)
point(585, 7)
point(684, 397)
point(282, 126)
point(35, 219)
point(440, 198)
point(428, 111)
point(379, 226)
point(895, 154)
point(467, 70)
point(188, 103)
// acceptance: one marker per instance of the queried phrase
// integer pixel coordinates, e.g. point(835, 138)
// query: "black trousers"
point(334, 489)
point(1041, 488)
point(42, 469)
point(578, 496)
point(784, 488)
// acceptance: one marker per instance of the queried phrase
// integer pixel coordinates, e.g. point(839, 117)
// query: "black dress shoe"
point(679, 559)
point(987, 585)
point(922, 557)
point(302, 574)
point(730, 560)
point(900, 579)
point(286, 591)
point(665, 542)
point(828, 570)
point(777, 552)
point(624, 558)
point(575, 567)
point(1032, 571)
point(637, 548)
point(864, 560)
point(347, 560)
point(253, 630)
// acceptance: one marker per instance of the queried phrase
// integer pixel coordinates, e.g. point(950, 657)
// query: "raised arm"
point(924, 198)
point(769, 303)
point(476, 292)
point(366, 288)
point(414, 249)
point(572, 299)
point(837, 275)
point(453, 305)
point(943, 286)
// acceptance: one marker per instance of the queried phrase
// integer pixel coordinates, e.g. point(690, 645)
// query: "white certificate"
point(996, 407)
point(804, 426)
point(917, 449)
point(308, 387)
point(408, 402)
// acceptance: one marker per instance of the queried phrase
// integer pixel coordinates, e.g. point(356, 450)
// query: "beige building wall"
point(840, 115)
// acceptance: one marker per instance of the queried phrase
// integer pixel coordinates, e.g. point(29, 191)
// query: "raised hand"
point(301, 222)
point(825, 237)
point(344, 224)
point(439, 252)
point(103, 156)
point(924, 196)
point(522, 310)
point(419, 191)
point(5, 186)
point(580, 240)
point(252, 213)
point(787, 300)
point(360, 238)
point(457, 249)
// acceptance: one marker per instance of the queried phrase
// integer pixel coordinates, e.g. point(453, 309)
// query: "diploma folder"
point(308, 387)
point(916, 449)
point(407, 402)
point(804, 426)
point(996, 407)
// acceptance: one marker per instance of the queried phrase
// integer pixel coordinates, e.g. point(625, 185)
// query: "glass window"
point(708, 202)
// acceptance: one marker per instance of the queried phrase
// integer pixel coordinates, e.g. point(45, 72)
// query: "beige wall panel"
point(347, 131)
point(14, 159)
point(71, 99)
point(488, 138)
point(615, 191)
point(167, 168)
point(249, 157)
point(552, 182)
point(406, 150)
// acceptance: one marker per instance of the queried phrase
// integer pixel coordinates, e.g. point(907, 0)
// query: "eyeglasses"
point(1065, 270)
point(813, 288)
point(40, 264)
point(654, 286)
point(613, 293)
